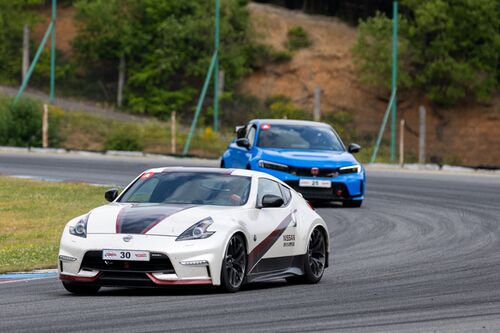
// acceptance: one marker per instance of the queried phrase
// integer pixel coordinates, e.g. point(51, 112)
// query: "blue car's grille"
point(308, 172)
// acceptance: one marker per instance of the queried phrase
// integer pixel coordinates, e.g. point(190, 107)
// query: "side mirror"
point(243, 142)
point(240, 131)
point(111, 194)
point(271, 200)
point(353, 148)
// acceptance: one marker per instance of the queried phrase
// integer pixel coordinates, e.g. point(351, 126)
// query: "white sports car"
point(195, 226)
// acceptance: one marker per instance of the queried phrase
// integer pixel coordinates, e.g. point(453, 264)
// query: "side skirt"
point(273, 268)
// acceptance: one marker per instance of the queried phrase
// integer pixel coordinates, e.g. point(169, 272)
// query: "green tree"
point(456, 48)
point(454, 53)
point(373, 53)
point(106, 36)
point(13, 16)
point(168, 45)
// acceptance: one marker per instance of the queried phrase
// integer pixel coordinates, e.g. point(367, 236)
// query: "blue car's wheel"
point(352, 203)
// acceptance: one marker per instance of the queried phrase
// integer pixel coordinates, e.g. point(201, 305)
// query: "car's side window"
point(286, 194)
point(267, 186)
point(251, 135)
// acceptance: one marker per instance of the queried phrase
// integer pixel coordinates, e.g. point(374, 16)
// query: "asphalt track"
point(421, 255)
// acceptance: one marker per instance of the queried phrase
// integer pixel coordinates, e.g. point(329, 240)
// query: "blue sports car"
point(308, 156)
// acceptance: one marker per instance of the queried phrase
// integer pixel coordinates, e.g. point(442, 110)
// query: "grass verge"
point(32, 217)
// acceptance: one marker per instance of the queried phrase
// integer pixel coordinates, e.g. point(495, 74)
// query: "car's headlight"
point(350, 169)
point(197, 230)
point(273, 165)
point(80, 228)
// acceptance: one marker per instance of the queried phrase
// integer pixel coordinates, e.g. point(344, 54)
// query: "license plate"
point(125, 255)
point(315, 183)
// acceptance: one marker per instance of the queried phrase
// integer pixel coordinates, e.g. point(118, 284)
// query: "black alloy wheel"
point(234, 264)
point(315, 257)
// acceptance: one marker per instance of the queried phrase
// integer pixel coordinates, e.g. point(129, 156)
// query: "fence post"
point(422, 134)
point(317, 103)
point(26, 51)
point(45, 126)
point(402, 143)
point(121, 81)
point(173, 130)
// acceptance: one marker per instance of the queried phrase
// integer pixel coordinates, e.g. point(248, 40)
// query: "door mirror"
point(240, 131)
point(354, 148)
point(243, 142)
point(111, 194)
point(271, 200)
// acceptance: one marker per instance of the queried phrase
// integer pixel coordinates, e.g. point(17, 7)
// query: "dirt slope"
point(467, 135)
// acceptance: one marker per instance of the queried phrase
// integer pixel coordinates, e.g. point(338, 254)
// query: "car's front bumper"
point(172, 262)
point(344, 187)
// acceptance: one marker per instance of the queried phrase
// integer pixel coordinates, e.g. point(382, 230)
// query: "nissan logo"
point(314, 171)
point(127, 238)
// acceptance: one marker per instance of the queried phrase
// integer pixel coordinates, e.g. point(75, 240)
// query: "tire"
point(222, 165)
point(80, 289)
point(234, 264)
point(352, 203)
point(315, 262)
point(315, 255)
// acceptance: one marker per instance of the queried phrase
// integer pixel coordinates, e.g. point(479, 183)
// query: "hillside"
point(464, 135)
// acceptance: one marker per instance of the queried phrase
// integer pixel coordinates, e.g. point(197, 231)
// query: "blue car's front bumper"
point(344, 187)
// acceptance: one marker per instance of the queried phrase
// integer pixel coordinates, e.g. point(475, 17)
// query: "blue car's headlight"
point(273, 165)
point(197, 230)
point(356, 168)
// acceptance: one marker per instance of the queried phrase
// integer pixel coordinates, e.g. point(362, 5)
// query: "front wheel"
point(80, 289)
point(234, 264)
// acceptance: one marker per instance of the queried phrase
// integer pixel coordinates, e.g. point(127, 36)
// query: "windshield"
point(299, 137)
point(189, 188)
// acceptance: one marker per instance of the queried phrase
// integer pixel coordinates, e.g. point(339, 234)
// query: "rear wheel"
point(314, 265)
point(352, 203)
point(80, 289)
point(222, 165)
point(234, 264)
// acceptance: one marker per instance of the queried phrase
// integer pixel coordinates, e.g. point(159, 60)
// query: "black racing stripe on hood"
point(140, 218)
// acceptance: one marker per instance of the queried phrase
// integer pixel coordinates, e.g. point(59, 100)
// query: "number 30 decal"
point(125, 255)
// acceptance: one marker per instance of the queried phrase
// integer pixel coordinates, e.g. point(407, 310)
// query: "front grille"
point(318, 193)
point(306, 172)
point(130, 279)
point(159, 262)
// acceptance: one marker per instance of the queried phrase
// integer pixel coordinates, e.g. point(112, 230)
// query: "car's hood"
point(157, 219)
point(308, 158)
